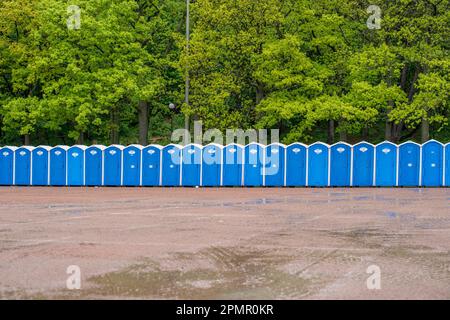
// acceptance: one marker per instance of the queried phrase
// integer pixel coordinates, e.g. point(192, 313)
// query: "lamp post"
point(172, 108)
point(186, 93)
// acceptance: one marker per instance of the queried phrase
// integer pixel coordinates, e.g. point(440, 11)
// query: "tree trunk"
point(26, 140)
point(388, 131)
point(259, 93)
point(412, 89)
point(114, 127)
point(396, 132)
point(330, 139)
point(365, 133)
point(343, 136)
point(143, 123)
point(425, 130)
point(186, 123)
point(81, 138)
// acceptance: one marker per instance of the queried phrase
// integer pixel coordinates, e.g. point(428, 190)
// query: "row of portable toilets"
point(296, 165)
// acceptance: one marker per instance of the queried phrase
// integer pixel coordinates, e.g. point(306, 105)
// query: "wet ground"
point(138, 243)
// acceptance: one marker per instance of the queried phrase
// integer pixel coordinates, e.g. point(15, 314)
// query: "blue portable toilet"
point(75, 165)
point(385, 164)
point(171, 165)
point(253, 165)
point(7, 166)
point(93, 165)
point(432, 164)
point(340, 165)
point(296, 165)
point(232, 165)
point(274, 160)
point(112, 168)
point(211, 165)
point(191, 165)
point(447, 165)
point(132, 165)
point(409, 164)
point(39, 166)
point(58, 166)
point(151, 165)
point(363, 164)
point(318, 164)
point(22, 166)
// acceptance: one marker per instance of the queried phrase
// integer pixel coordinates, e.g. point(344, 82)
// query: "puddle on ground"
point(232, 274)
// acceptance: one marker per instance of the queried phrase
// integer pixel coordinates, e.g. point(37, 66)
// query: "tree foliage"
point(311, 68)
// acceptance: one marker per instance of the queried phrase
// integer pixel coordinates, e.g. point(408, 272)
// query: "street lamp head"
point(171, 106)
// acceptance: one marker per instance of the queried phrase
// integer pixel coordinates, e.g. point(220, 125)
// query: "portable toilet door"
point(22, 166)
point(409, 164)
point(432, 164)
point(191, 165)
point(93, 165)
point(39, 166)
point(171, 165)
point(340, 165)
point(274, 159)
point(232, 165)
point(7, 166)
point(132, 165)
point(151, 166)
point(75, 166)
point(385, 164)
point(318, 165)
point(447, 165)
point(112, 173)
point(363, 164)
point(295, 165)
point(58, 161)
point(253, 168)
point(211, 165)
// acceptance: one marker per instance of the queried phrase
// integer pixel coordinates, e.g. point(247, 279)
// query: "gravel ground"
point(158, 243)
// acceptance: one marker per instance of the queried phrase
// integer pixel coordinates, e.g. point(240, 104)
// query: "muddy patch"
point(215, 273)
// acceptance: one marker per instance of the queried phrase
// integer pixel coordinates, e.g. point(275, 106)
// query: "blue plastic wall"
point(409, 165)
point(253, 165)
point(233, 159)
point(132, 166)
point(363, 165)
point(39, 165)
point(253, 168)
point(75, 166)
point(274, 165)
point(113, 166)
point(171, 166)
point(191, 162)
point(151, 166)
point(386, 165)
point(432, 164)
point(22, 167)
point(447, 165)
point(340, 165)
point(58, 164)
point(94, 166)
point(318, 165)
point(211, 166)
point(6, 166)
point(296, 165)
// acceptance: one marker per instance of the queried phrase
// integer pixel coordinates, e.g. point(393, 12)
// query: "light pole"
point(186, 93)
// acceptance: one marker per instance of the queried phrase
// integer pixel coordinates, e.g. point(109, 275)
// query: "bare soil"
point(158, 243)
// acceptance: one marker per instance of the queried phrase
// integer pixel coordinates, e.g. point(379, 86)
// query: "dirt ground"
point(137, 243)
